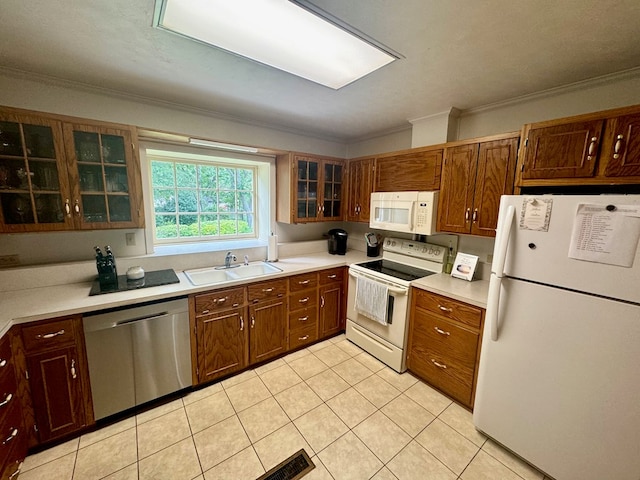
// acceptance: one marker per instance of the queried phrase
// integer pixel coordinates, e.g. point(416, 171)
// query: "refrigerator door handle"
point(502, 241)
point(493, 304)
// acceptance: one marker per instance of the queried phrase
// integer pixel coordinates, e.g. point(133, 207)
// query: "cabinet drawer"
point(446, 307)
point(307, 298)
point(331, 275)
point(54, 334)
point(11, 432)
point(267, 290)
point(303, 282)
point(219, 300)
point(302, 336)
point(7, 375)
point(303, 318)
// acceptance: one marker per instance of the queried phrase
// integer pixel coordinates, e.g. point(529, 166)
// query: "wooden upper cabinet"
point(474, 176)
point(562, 151)
point(360, 179)
point(65, 173)
point(601, 148)
point(622, 146)
point(411, 170)
point(309, 188)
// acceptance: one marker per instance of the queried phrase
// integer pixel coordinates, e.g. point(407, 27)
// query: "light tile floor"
point(355, 417)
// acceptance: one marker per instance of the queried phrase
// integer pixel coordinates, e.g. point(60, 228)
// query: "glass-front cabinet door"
point(104, 176)
point(34, 188)
point(307, 189)
point(332, 190)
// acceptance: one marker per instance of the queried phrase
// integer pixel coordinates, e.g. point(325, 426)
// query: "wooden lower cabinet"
point(222, 344)
point(268, 330)
point(444, 344)
point(56, 364)
point(332, 301)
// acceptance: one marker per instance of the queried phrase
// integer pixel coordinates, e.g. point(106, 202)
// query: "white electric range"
point(402, 262)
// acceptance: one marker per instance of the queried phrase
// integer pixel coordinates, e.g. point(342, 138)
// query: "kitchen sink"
point(214, 275)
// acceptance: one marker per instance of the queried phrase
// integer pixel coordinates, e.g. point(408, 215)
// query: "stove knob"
point(393, 243)
point(436, 252)
point(424, 249)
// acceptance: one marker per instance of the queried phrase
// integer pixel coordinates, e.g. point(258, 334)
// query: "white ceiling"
point(457, 53)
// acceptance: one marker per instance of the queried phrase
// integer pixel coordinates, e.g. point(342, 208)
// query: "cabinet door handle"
point(332, 277)
point(466, 214)
point(16, 473)
point(618, 146)
point(475, 215)
point(49, 335)
point(304, 300)
point(267, 290)
point(321, 301)
point(304, 282)
point(6, 400)
point(73, 369)
point(241, 323)
point(303, 319)
point(76, 207)
point(14, 434)
point(439, 365)
point(3, 363)
point(445, 309)
point(592, 148)
point(67, 207)
point(441, 332)
point(303, 338)
point(253, 321)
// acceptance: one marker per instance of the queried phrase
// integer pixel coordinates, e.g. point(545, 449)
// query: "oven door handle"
point(395, 290)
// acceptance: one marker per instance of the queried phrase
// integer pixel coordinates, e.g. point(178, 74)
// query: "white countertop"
point(26, 305)
point(474, 292)
point(30, 304)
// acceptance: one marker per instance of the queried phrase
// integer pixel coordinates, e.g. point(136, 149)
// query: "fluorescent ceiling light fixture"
point(294, 36)
point(225, 146)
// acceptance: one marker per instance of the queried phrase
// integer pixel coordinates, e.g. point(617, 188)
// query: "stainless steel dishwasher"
point(137, 354)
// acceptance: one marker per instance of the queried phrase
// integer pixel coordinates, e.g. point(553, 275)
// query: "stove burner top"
point(397, 270)
point(150, 279)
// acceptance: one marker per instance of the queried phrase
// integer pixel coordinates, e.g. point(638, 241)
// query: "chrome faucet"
point(229, 257)
point(246, 259)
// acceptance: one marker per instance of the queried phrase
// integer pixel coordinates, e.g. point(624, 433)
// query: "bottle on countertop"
point(448, 266)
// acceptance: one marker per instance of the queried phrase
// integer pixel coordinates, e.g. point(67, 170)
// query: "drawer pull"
point(304, 282)
point(73, 369)
point(221, 300)
point(7, 399)
point(267, 290)
point(235, 305)
point(332, 277)
point(303, 338)
point(445, 309)
point(303, 319)
point(204, 312)
point(14, 434)
point(50, 335)
point(16, 473)
point(441, 332)
point(3, 363)
point(439, 365)
point(304, 300)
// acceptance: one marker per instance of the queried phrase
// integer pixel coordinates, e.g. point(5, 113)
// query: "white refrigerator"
point(559, 375)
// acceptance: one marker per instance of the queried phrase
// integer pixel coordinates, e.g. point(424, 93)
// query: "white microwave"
point(411, 212)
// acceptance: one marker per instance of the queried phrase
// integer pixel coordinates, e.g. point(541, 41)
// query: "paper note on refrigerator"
point(606, 234)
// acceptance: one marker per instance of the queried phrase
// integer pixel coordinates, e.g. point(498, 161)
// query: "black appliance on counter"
point(338, 241)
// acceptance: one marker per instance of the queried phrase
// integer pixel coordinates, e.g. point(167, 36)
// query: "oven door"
point(395, 331)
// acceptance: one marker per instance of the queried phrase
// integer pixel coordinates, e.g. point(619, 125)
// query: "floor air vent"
point(293, 468)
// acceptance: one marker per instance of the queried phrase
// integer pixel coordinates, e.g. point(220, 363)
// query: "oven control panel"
point(422, 250)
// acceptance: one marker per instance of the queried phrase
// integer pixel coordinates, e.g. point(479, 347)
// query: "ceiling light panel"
point(278, 33)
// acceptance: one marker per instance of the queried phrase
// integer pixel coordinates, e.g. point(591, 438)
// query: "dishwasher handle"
point(140, 319)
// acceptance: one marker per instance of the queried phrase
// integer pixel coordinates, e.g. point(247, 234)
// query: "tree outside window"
point(202, 200)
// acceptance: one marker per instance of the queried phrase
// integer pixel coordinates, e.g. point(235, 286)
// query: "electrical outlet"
point(130, 239)
point(9, 260)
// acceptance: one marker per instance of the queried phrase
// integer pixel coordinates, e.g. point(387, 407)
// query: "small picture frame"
point(464, 266)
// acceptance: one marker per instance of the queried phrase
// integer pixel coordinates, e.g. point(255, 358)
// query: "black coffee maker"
point(338, 241)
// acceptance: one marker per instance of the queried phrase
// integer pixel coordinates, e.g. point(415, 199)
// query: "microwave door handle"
point(412, 212)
